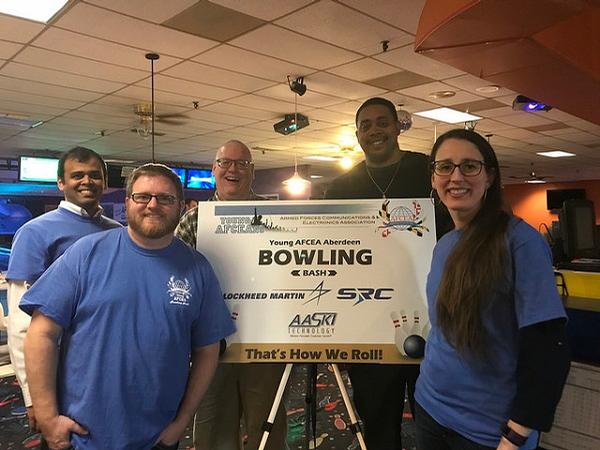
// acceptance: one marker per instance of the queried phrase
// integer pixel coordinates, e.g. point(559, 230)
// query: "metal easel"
point(354, 427)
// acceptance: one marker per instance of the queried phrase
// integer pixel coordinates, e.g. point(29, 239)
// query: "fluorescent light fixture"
point(448, 115)
point(556, 154)
point(40, 11)
point(21, 122)
point(320, 158)
point(316, 177)
point(535, 181)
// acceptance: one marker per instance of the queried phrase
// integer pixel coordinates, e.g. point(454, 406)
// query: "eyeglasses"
point(161, 199)
point(239, 163)
point(468, 167)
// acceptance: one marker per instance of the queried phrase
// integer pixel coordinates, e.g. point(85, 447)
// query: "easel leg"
point(353, 422)
point(278, 396)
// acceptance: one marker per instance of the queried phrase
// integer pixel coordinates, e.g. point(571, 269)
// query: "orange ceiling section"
point(548, 50)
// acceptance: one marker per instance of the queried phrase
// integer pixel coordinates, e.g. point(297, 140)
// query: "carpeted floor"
point(332, 417)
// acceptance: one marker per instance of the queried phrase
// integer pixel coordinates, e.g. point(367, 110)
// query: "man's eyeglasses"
point(161, 199)
point(240, 163)
point(468, 167)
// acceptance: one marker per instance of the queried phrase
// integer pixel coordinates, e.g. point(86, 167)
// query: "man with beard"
point(238, 390)
point(387, 172)
point(130, 308)
point(37, 244)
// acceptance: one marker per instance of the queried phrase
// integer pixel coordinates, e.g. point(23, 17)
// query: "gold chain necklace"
point(383, 192)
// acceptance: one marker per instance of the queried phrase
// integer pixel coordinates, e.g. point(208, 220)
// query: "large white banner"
point(321, 280)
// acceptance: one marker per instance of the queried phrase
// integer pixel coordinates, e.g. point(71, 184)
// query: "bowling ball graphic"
point(414, 346)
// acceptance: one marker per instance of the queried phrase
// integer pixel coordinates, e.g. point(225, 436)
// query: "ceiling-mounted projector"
point(291, 123)
point(527, 104)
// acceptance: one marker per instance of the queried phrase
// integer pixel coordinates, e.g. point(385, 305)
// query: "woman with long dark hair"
point(496, 358)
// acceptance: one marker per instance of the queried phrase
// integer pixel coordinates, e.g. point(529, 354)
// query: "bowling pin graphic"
point(416, 328)
point(426, 329)
point(400, 330)
point(235, 310)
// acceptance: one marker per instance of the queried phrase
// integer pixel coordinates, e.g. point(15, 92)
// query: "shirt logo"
point(179, 291)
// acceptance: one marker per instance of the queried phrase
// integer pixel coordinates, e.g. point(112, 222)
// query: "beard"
point(153, 229)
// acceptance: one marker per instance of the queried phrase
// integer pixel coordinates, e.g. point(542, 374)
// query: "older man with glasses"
point(239, 392)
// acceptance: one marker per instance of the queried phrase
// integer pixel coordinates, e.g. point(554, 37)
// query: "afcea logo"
point(359, 295)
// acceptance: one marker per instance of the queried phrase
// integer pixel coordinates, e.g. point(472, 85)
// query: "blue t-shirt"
point(474, 397)
point(130, 319)
point(39, 242)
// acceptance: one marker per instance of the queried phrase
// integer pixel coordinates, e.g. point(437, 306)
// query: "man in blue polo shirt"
point(131, 308)
point(37, 244)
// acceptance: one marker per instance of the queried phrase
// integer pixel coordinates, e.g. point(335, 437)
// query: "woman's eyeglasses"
point(468, 167)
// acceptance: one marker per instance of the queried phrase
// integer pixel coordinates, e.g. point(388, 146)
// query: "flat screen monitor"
point(180, 171)
point(556, 197)
point(578, 229)
point(200, 179)
point(37, 169)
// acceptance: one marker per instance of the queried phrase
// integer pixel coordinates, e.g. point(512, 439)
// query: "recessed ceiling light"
point(488, 89)
point(442, 94)
point(346, 162)
point(535, 181)
point(32, 9)
point(320, 158)
point(556, 154)
point(448, 115)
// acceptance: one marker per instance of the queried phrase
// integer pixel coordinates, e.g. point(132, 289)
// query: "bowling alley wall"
point(528, 201)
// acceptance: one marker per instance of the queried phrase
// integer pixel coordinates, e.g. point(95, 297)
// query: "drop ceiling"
point(84, 72)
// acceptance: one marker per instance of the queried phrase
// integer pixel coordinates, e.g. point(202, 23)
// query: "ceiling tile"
point(264, 9)
point(34, 99)
point(212, 21)
point(32, 87)
point(364, 69)
point(344, 27)
point(422, 91)
point(27, 72)
point(407, 59)
point(240, 111)
point(470, 83)
point(310, 98)
point(341, 87)
point(399, 80)
point(138, 94)
point(202, 73)
point(491, 126)
point(100, 50)
point(475, 105)
point(289, 46)
point(268, 104)
point(79, 66)
point(581, 137)
point(195, 91)
point(28, 110)
point(244, 61)
point(8, 49)
point(156, 11)
point(331, 117)
point(18, 30)
point(523, 119)
point(111, 26)
point(403, 14)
